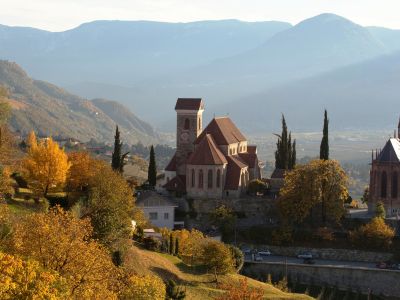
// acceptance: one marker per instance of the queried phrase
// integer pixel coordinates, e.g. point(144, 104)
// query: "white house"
point(158, 209)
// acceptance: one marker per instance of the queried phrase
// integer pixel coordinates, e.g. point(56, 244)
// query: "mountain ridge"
point(50, 110)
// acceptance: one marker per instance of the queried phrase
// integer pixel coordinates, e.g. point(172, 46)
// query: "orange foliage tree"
point(240, 291)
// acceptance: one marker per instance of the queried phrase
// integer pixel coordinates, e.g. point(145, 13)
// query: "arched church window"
point(218, 178)
point(201, 179)
point(193, 178)
point(383, 185)
point(210, 179)
point(187, 124)
point(394, 185)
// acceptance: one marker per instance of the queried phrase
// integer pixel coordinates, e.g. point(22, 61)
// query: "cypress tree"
point(285, 154)
point(176, 247)
point(171, 245)
point(117, 161)
point(116, 156)
point(152, 171)
point(293, 155)
point(324, 149)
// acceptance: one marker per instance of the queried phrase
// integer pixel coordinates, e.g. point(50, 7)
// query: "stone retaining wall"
point(333, 254)
point(378, 282)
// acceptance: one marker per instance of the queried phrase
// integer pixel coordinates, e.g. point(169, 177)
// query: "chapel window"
point(210, 179)
point(383, 185)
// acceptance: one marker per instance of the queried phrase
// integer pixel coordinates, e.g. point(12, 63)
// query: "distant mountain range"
point(49, 110)
point(247, 69)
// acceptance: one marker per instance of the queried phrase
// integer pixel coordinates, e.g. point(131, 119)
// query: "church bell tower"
point(189, 126)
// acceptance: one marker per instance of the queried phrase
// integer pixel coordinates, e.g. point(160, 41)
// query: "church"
point(213, 163)
point(384, 177)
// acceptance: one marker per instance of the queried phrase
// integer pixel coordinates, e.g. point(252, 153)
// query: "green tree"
point(238, 257)
point(117, 161)
point(176, 253)
point(285, 154)
point(324, 148)
point(171, 244)
point(307, 186)
point(217, 257)
point(152, 171)
point(110, 206)
point(365, 196)
point(380, 210)
point(225, 219)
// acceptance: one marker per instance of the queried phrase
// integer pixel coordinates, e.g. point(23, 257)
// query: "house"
point(214, 162)
point(384, 177)
point(159, 210)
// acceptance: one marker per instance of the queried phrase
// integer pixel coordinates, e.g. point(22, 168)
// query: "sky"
point(59, 15)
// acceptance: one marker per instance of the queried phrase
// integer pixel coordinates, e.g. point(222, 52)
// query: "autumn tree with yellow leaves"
point(62, 243)
point(46, 166)
point(309, 187)
point(25, 279)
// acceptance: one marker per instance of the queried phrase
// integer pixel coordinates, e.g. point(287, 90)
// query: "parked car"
point(308, 261)
point(304, 255)
point(382, 265)
point(257, 258)
point(264, 253)
point(246, 251)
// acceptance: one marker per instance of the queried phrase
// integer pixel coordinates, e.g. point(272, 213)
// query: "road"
point(319, 262)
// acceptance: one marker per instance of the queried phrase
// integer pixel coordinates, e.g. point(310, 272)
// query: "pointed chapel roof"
point(207, 153)
point(223, 130)
point(391, 151)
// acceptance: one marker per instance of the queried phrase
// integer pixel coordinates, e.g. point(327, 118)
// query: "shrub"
point(380, 210)
point(152, 244)
point(375, 234)
point(174, 292)
point(324, 234)
point(238, 257)
point(256, 186)
point(217, 257)
point(282, 236)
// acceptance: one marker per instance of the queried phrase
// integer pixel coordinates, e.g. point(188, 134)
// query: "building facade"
point(214, 162)
point(385, 176)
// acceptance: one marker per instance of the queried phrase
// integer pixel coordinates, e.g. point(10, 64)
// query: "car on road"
point(305, 255)
point(382, 265)
point(257, 258)
point(308, 261)
point(264, 253)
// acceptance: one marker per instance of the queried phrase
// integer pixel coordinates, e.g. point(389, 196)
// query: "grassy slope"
point(198, 286)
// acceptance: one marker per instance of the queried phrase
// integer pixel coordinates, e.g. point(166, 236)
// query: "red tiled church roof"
point(189, 104)
point(235, 165)
point(172, 164)
point(223, 130)
point(250, 157)
point(207, 153)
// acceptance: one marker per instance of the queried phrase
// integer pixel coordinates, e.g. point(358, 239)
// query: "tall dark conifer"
point(285, 154)
point(152, 172)
point(116, 156)
point(324, 149)
point(117, 161)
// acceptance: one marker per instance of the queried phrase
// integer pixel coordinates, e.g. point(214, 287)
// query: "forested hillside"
point(50, 110)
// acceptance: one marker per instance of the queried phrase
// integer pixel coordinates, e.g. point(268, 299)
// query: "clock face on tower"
point(184, 137)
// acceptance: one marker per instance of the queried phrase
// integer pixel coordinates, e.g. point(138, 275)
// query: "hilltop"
point(50, 110)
